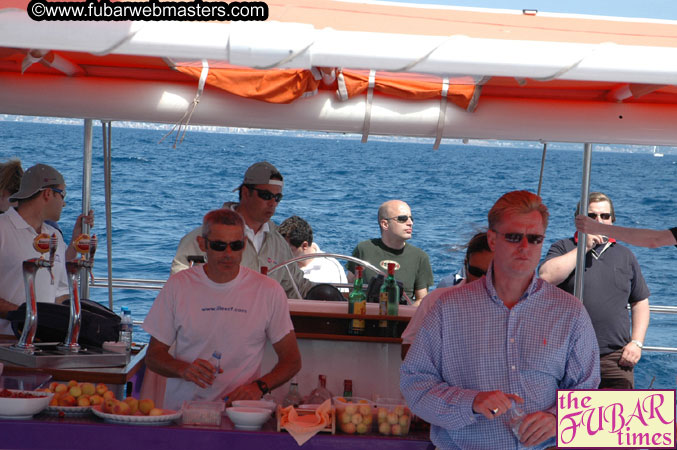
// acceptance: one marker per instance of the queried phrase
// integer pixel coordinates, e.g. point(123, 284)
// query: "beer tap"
point(43, 243)
point(86, 246)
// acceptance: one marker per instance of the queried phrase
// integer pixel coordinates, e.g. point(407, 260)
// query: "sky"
point(653, 9)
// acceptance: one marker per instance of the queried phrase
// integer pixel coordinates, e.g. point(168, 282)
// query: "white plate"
point(164, 419)
point(68, 410)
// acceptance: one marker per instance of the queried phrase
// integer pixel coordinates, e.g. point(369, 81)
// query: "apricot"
point(133, 404)
point(88, 389)
point(95, 399)
point(75, 391)
point(101, 388)
point(67, 400)
point(83, 400)
point(146, 405)
point(121, 408)
point(72, 383)
point(156, 412)
point(108, 405)
point(108, 394)
point(60, 388)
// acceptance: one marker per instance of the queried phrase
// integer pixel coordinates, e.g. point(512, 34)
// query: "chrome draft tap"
point(86, 246)
point(43, 243)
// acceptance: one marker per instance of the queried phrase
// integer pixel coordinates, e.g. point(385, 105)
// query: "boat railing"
point(156, 285)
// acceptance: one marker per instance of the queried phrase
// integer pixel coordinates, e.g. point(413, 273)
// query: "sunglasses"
point(265, 194)
point(604, 216)
point(401, 219)
point(475, 271)
point(220, 246)
point(61, 192)
point(516, 238)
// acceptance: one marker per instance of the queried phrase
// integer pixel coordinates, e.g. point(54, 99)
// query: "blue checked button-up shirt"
point(471, 342)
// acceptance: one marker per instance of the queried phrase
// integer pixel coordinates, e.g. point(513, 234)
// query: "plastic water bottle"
point(126, 328)
point(215, 361)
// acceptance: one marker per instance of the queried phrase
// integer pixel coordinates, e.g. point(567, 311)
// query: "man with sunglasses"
point(412, 265)
point(508, 338)
point(259, 195)
point(613, 279)
point(40, 198)
point(223, 307)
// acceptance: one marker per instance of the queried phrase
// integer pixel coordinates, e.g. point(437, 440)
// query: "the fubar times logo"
point(616, 419)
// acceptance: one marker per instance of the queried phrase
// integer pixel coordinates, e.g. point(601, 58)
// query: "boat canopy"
point(373, 68)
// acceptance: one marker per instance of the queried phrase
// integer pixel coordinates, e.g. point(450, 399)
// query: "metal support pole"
point(582, 237)
point(540, 178)
point(86, 195)
point(106, 128)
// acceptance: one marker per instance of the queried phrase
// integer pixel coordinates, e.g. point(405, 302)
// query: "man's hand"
point(593, 240)
point(631, 355)
point(82, 220)
point(200, 372)
point(537, 428)
point(494, 403)
point(248, 391)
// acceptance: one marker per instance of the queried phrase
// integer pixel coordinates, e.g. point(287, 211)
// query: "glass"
point(603, 216)
point(401, 219)
point(515, 416)
point(265, 194)
point(516, 238)
point(220, 246)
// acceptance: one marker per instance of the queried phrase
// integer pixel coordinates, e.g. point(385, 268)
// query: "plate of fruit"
point(76, 399)
point(132, 411)
point(18, 404)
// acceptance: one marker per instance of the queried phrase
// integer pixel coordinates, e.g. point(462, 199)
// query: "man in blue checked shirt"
point(505, 340)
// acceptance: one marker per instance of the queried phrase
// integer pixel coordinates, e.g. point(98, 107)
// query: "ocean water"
point(336, 184)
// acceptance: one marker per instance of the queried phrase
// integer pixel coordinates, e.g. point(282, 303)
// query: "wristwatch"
point(263, 387)
point(638, 343)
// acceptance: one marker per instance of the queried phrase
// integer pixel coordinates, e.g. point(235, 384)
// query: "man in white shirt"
point(259, 193)
point(41, 197)
point(298, 233)
point(222, 307)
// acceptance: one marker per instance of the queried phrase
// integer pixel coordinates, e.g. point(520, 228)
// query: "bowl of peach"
point(393, 417)
point(354, 415)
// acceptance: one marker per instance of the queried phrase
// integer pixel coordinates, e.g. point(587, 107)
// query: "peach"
point(133, 404)
point(108, 404)
point(384, 428)
point(54, 401)
point(396, 430)
point(146, 405)
point(121, 408)
point(351, 409)
point(60, 388)
point(393, 419)
point(156, 412)
point(95, 399)
point(362, 428)
point(72, 383)
point(88, 389)
point(404, 421)
point(83, 400)
point(53, 385)
point(101, 388)
point(348, 428)
point(346, 418)
point(75, 391)
point(108, 394)
point(67, 400)
point(365, 410)
point(357, 419)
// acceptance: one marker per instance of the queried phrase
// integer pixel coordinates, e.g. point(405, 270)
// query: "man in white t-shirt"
point(298, 233)
point(223, 307)
point(40, 198)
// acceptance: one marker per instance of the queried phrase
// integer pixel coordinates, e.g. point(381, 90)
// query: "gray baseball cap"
point(36, 178)
point(261, 173)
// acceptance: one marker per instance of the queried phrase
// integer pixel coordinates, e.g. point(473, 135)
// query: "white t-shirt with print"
point(197, 316)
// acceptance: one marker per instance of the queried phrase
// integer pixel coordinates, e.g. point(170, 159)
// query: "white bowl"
point(256, 404)
point(23, 408)
point(248, 418)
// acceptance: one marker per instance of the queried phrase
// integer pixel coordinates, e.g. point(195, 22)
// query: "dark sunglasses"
point(401, 219)
point(475, 271)
point(604, 216)
point(220, 246)
point(516, 238)
point(61, 192)
point(265, 194)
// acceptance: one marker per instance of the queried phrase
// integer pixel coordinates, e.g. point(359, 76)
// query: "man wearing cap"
point(40, 198)
point(259, 193)
point(412, 265)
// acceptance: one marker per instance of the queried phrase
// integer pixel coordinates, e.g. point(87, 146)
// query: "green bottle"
point(389, 299)
point(357, 304)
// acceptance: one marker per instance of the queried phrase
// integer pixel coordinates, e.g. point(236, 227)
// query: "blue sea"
point(336, 184)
